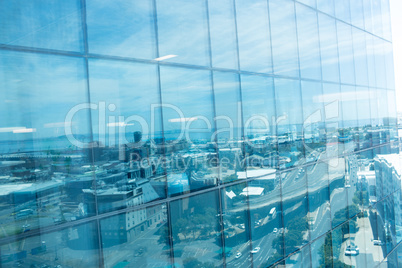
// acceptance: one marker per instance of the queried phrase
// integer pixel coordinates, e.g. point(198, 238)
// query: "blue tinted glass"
point(229, 125)
point(183, 31)
point(266, 219)
point(196, 231)
point(380, 68)
point(126, 238)
point(333, 118)
point(319, 215)
point(371, 66)
point(345, 48)
point(364, 116)
point(386, 19)
point(42, 24)
point(289, 113)
point(342, 10)
point(259, 121)
point(188, 129)
point(126, 28)
point(326, 6)
point(360, 57)
point(356, 10)
point(284, 39)
point(329, 50)
point(321, 252)
point(295, 210)
point(223, 34)
point(45, 137)
point(236, 225)
point(254, 36)
point(376, 17)
point(389, 65)
point(313, 120)
point(128, 132)
point(309, 47)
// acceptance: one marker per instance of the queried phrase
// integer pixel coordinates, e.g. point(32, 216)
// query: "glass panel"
point(254, 36)
point(389, 65)
point(195, 231)
point(349, 134)
point(76, 246)
point(313, 120)
point(356, 10)
point(45, 141)
point(229, 126)
point(380, 68)
point(319, 216)
point(329, 49)
point(376, 17)
point(259, 124)
point(364, 117)
point(368, 17)
point(188, 129)
point(309, 48)
point(311, 3)
point(137, 238)
point(375, 119)
point(289, 122)
point(235, 218)
point(386, 19)
point(42, 24)
point(340, 242)
point(371, 66)
point(183, 31)
point(345, 48)
point(295, 210)
point(126, 29)
point(284, 39)
point(301, 259)
point(338, 191)
point(321, 252)
point(360, 57)
point(333, 118)
point(326, 6)
point(383, 115)
point(342, 10)
point(128, 149)
point(267, 230)
point(223, 34)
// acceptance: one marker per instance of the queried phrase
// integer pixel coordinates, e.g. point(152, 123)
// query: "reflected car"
point(275, 230)
point(378, 243)
point(352, 250)
point(255, 250)
point(238, 255)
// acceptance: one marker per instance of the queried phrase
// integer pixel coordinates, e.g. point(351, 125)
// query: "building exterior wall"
point(177, 133)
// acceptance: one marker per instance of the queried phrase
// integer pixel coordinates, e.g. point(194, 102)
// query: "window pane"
point(258, 115)
point(183, 31)
point(195, 230)
point(223, 34)
point(345, 47)
point(137, 238)
point(284, 39)
point(42, 24)
point(126, 29)
point(42, 163)
point(128, 132)
point(229, 126)
point(289, 113)
point(188, 129)
point(236, 225)
point(309, 49)
point(254, 36)
point(329, 49)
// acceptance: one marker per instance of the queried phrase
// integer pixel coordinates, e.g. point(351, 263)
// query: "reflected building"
point(175, 133)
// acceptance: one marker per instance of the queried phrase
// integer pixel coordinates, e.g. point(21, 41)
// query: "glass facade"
point(176, 133)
